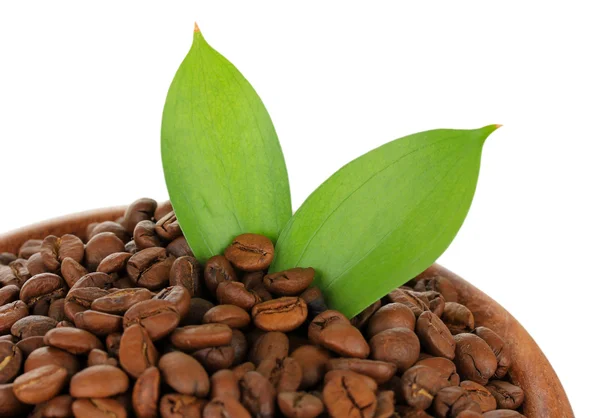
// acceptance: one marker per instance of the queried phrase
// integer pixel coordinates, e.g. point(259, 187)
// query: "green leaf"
point(385, 217)
point(222, 161)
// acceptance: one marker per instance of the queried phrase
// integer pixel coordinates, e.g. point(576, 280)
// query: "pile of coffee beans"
point(125, 322)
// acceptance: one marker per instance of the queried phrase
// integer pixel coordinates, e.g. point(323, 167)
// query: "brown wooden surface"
point(544, 394)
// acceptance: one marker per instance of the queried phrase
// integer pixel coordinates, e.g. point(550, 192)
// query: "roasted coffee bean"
point(230, 315)
point(322, 321)
point(45, 356)
point(80, 299)
point(380, 371)
point(507, 395)
point(98, 323)
point(196, 337)
point(110, 226)
point(75, 341)
point(8, 276)
point(420, 385)
point(113, 344)
point(314, 300)
point(7, 258)
point(438, 284)
point(120, 301)
point(130, 247)
point(344, 340)
point(289, 282)
point(283, 314)
point(435, 336)
point(9, 338)
point(410, 299)
point(185, 272)
point(72, 271)
point(184, 374)
point(174, 405)
point(458, 318)
point(240, 370)
point(225, 406)
point(96, 279)
point(474, 359)
point(397, 345)
point(146, 392)
point(258, 395)
point(334, 374)
point(58, 407)
point(11, 313)
point(99, 382)
point(28, 345)
point(10, 361)
point(168, 227)
point(10, 406)
point(114, 263)
point(35, 265)
point(40, 385)
point(437, 303)
point(360, 320)
point(392, 315)
point(56, 310)
point(253, 279)
point(235, 293)
point(250, 252)
point(144, 235)
point(45, 286)
point(9, 294)
point(444, 367)
point(178, 296)
point(98, 357)
point(300, 405)
point(98, 407)
point(480, 395)
point(446, 399)
point(497, 345)
point(503, 413)
point(179, 248)
point(140, 210)
point(284, 374)
point(239, 345)
point(100, 246)
point(158, 317)
point(348, 397)
point(150, 268)
point(314, 362)
point(198, 308)
point(29, 248)
point(223, 383)
point(32, 326)
point(54, 250)
point(215, 358)
point(218, 270)
point(270, 344)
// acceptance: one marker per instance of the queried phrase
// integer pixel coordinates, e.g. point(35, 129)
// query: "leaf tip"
point(196, 28)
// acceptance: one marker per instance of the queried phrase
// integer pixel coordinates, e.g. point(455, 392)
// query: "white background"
point(82, 86)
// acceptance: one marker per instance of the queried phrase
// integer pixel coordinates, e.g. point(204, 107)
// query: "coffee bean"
point(28, 345)
point(179, 248)
point(114, 263)
point(239, 345)
point(80, 299)
point(225, 406)
point(497, 345)
point(270, 344)
point(184, 374)
point(435, 336)
point(10, 406)
point(223, 383)
point(314, 363)
point(198, 308)
point(35, 265)
point(10, 361)
point(120, 301)
point(98, 357)
point(322, 321)
point(507, 395)
point(178, 296)
point(258, 395)
point(54, 250)
point(9, 294)
point(32, 326)
point(75, 341)
point(43, 287)
point(348, 396)
point(480, 395)
point(446, 399)
point(300, 405)
point(7, 258)
point(344, 340)
point(96, 279)
point(218, 270)
point(392, 315)
point(150, 268)
point(215, 358)
point(410, 299)
point(100, 246)
point(175, 405)
point(14, 274)
point(250, 252)
point(503, 413)
point(360, 320)
point(437, 303)
point(45, 356)
point(314, 300)
point(29, 248)
point(140, 210)
point(458, 318)
point(145, 236)
point(196, 337)
point(99, 382)
point(110, 226)
point(168, 227)
point(334, 374)
point(146, 392)
point(230, 315)
point(444, 367)
point(284, 374)
point(185, 272)
point(158, 317)
point(397, 345)
point(438, 284)
point(56, 310)
point(474, 359)
point(11, 313)
point(282, 314)
point(72, 271)
point(58, 407)
point(380, 371)
point(40, 385)
point(136, 351)
point(235, 293)
point(289, 282)
point(240, 370)
point(97, 407)
point(420, 384)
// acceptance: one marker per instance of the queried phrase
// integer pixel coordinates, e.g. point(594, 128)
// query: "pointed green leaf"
point(223, 163)
point(385, 217)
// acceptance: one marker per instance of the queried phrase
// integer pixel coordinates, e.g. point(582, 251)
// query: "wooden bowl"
point(544, 394)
